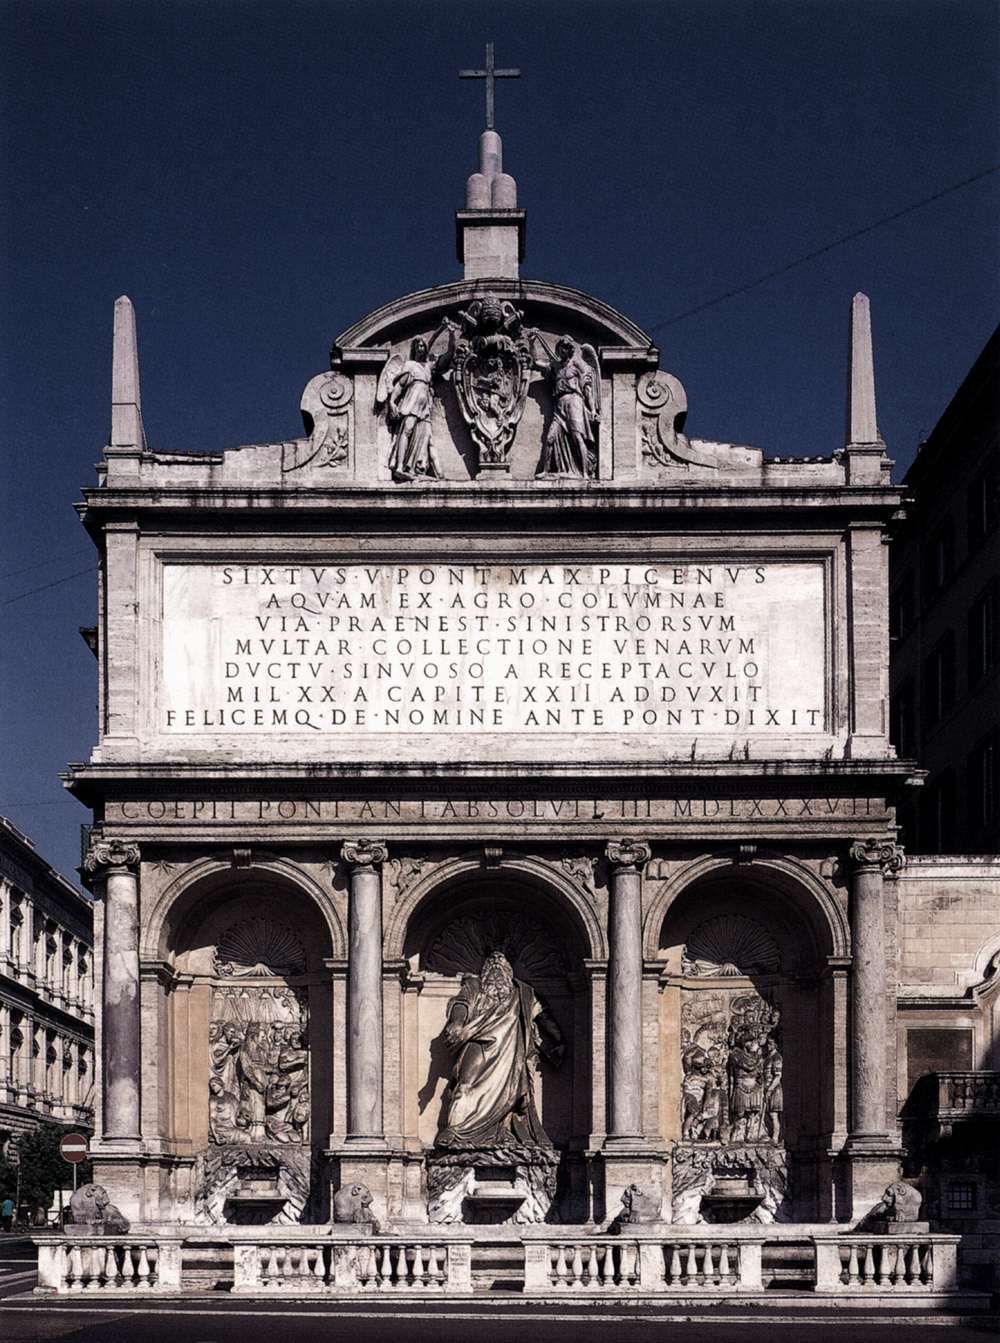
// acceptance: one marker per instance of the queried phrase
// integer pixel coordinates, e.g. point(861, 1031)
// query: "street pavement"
point(26, 1319)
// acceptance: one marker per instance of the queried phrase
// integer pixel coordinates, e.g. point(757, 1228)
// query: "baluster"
point(362, 1264)
point(577, 1280)
point(593, 1280)
point(896, 1275)
point(869, 1267)
point(384, 1273)
point(708, 1266)
point(560, 1269)
point(75, 1269)
point(632, 1275)
point(418, 1266)
point(853, 1277)
point(725, 1272)
point(302, 1269)
point(142, 1270)
point(271, 1265)
point(674, 1273)
point(690, 1266)
point(927, 1266)
point(432, 1271)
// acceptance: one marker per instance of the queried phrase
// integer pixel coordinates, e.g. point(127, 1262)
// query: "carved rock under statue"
point(92, 1208)
point(492, 1159)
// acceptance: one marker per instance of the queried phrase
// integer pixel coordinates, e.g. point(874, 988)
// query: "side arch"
point(532, 871)
point(786, 876)
point(213, 875)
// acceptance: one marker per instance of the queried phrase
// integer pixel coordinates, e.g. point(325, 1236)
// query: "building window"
point(961, 1196)
point(902, 719)
point(938, 561)
point(901, 608)
point(984, 784)
point(939, 680)
point(983, 643)
point(984, 507)
point(937, 814)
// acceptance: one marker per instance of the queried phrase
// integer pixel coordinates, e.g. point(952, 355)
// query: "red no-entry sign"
point(73, 1148)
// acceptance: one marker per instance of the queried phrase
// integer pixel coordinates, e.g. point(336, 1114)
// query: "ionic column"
point(113, 865)
point(626, 858)
point(872, 860)
point(364, 992)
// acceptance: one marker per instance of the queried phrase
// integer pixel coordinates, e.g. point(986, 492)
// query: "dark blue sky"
point(258, 175)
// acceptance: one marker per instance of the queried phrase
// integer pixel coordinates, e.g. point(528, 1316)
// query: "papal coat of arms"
point(492, 366)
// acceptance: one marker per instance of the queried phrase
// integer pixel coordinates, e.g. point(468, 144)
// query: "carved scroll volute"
point(663, 406)
point(110, 855)
point(628, 855)
point(364, 855)
point(327, 420)
point(877, 855)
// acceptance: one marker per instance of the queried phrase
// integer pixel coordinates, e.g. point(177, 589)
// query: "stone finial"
point(126, 403)
point(491, 227)
point(862, 427)
point(490, 188)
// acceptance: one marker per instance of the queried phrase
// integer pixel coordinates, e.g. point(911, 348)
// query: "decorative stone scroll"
point(492, 367)
point(873, 854)
point(729, 945)
point(107, 854)
point(663, 408)
point(327, 421)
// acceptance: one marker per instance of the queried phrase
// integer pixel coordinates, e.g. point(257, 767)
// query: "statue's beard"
point(497, 983)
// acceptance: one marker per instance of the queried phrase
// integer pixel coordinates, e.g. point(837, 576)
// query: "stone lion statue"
point(352, 1203)
point(639, 1207)
point(900, 1203)
point(91, 1207)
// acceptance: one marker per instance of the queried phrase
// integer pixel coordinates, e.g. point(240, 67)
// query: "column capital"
point(877, 855)
point(109, 855)
point(364, 855)
point(627, 855)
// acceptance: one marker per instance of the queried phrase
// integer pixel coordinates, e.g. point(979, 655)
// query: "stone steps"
point(498, 1266)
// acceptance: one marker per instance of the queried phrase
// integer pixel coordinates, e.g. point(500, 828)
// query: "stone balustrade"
point(962, 1095)
point(121, 1264)
point(710, 1264)
point(383, 1264)
point(870, 1264)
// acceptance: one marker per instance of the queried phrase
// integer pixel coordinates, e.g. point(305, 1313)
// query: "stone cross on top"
point(491, 74)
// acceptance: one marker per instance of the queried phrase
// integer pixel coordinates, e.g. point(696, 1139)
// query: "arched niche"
point(747, 1029)
point(455, 923)
point(246, 1076)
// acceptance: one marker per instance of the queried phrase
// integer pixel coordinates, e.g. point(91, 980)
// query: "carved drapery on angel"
point(406, 391)
point(574, 374)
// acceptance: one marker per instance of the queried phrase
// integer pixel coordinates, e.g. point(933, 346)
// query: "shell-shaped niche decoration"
point(259, 947)
point(463, 945)
point(730, 945)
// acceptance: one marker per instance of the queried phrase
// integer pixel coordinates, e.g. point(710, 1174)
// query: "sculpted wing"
point(390, 372)
point(590, 355)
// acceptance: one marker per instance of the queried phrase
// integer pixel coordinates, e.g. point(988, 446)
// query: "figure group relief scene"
point(483, 362)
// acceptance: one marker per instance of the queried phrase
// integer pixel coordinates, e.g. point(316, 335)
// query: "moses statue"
point(498, 1028)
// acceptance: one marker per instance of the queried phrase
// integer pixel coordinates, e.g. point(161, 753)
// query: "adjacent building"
point(46, 991)
point(945, 623)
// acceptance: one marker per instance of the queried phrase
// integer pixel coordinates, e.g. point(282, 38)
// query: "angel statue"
point(570, 443)
point(406, 390)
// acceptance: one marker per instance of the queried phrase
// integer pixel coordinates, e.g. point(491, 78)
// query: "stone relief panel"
point(258, 1163)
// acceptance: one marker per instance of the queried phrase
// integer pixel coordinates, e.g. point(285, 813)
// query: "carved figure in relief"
point(746, 1089)
point(900, 1203)
point(497, 1027)
point(223, 1113)
point(774, 1100)
point(406, 390)
point(574, 374)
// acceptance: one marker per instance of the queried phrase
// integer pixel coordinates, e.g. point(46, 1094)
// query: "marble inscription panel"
point(348, 650)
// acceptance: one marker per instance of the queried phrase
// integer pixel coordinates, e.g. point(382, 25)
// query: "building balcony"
point(953, 1097)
